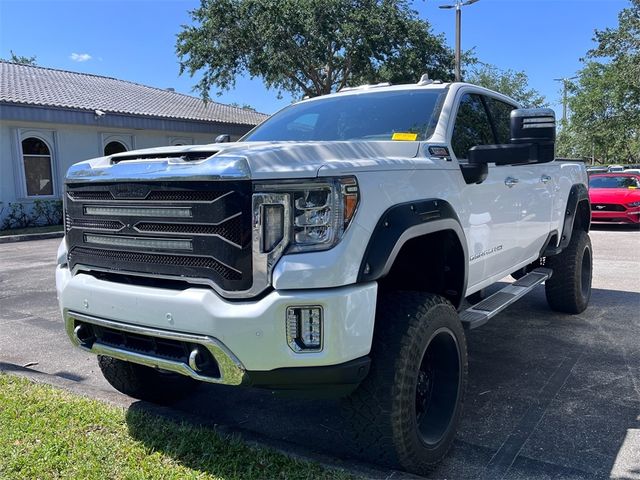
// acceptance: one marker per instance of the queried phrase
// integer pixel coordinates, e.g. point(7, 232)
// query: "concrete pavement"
point(550, 395)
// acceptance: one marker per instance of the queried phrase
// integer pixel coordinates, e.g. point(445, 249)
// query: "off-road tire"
point(145, 383)
point(383, 411)
point(569, 288)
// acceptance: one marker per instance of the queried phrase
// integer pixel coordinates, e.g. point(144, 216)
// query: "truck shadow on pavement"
point(549, 396)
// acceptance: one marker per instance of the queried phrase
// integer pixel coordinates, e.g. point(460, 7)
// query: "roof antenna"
point(425, 80)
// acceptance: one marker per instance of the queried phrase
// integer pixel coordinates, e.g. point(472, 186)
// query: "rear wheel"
point(569, 288)
point(406, 412)
point(145, 383)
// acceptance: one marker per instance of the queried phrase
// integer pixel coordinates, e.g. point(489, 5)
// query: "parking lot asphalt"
point(549, 395)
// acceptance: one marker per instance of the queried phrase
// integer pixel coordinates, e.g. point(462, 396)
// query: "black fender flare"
point(402, 222)
point(578, 193)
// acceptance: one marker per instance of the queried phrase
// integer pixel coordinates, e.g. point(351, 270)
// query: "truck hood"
point(246, 160)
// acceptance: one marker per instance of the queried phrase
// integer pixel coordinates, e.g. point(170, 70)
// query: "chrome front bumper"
point(229, 369)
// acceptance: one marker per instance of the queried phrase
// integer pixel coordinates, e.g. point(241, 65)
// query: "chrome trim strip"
point(232, 372)
point(144, 200)
point(217, 167)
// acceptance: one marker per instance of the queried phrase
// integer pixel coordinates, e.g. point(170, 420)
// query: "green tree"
point(514, 84)
point(605, 101)
point(309, 47)
point(245, 106)
point(20, 59)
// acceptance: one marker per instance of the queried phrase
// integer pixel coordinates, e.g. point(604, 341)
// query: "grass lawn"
point(49, 433)
point(24, 231)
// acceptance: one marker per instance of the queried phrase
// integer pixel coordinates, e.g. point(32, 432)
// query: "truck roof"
point(386, 87)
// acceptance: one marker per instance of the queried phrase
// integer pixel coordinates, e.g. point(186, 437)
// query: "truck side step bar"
point(481, 312)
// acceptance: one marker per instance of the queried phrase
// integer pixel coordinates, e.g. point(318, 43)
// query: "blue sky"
point(135, 40)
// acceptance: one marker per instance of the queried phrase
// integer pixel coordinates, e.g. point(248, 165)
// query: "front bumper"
point(247, 336)
point(629, 216)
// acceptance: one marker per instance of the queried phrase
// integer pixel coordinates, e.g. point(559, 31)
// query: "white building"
point(51, 119)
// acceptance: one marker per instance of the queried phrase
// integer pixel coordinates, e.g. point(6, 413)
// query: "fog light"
point(304, 328)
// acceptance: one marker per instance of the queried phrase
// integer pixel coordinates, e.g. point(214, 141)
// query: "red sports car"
point(615, 198)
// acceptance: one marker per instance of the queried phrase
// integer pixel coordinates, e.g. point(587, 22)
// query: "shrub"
point(47, 212)
point(17, 217)
point(42, 213)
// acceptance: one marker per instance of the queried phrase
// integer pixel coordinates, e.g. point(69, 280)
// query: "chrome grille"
point(139, 233)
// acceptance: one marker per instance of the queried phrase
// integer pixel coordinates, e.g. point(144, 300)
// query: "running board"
point(481, 312)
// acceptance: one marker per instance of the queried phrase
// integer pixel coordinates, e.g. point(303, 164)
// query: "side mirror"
point(224, 138)
point(536, 126)
point(533, 136)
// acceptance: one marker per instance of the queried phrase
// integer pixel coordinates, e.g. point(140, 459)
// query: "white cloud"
point(80, 57)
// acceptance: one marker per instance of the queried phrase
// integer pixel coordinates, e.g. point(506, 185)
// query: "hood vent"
point(184, 156)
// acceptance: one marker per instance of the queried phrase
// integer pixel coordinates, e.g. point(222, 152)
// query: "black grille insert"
point(218, 228)
point(607, 207)
point(231, 229)
point(88, 256)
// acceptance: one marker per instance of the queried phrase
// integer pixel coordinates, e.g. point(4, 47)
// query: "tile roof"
point(33, 85)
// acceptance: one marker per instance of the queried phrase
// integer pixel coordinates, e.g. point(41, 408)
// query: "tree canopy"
point(514, 84)
point(21, 59)
point(605, 100)
point(310, 47)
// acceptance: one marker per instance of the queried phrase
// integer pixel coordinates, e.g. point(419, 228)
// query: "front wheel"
point(569, 288)
point(406, 412)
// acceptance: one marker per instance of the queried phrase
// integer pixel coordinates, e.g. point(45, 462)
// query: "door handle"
point(545, 178)
point(510, 181)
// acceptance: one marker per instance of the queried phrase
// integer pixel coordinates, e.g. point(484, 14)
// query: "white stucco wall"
point(71, 144)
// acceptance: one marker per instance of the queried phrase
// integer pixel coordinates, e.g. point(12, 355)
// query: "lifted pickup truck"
point(329, 252)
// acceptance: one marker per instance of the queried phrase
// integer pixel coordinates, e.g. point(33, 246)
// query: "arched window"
point(37, 167)
point(114, 147)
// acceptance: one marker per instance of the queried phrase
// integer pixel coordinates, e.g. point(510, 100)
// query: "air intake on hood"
point(185, 156)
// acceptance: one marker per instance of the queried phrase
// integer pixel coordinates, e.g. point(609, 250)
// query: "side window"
point(472, 126)
point(501, 115)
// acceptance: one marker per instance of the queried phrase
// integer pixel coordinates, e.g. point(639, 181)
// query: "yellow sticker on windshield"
point(407, 137)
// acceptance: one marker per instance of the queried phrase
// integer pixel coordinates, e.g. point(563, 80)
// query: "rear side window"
point(472, 126)
point(501, 115)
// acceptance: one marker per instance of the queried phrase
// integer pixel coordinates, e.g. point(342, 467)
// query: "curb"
point(30, 236)
point(290, 450)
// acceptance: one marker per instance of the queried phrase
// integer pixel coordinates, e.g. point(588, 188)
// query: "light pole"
point(564, 96)
point(458, 6)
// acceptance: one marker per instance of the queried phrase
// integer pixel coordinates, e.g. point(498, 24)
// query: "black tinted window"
point(501, 115)
point(614, 182)
point(472, 126)
point(360, 116)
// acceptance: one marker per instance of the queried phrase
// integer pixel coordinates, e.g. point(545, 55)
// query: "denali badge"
point(485, 253)
point(129, 190)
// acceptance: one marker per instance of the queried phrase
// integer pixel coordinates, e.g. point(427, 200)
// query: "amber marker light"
point(350, 198)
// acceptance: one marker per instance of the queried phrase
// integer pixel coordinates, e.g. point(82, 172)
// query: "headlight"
point(320, 212)
point(634, 204)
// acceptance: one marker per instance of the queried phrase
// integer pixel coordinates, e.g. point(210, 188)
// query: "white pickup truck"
point(329, 252)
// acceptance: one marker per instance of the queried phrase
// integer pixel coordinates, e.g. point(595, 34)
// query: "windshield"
point(397, 115)
point(626, 181)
